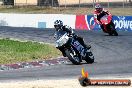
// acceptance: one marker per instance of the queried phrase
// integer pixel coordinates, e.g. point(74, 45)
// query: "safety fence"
point(81, 22)
point(70, 3)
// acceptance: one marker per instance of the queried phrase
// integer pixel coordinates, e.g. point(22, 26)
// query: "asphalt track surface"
point(113, 55)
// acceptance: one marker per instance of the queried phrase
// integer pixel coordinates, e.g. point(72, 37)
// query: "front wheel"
point(113, 30)
point(73, 58)
point(89, 57)
point(110, 34)
point(115, 33)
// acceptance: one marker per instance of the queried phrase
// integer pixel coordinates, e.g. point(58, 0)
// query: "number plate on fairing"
point(79, 47)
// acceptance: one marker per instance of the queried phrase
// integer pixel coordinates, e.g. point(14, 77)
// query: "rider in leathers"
point(99, 12)
point(58, 24)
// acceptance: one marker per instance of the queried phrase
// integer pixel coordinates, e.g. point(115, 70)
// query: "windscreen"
point(59, 34)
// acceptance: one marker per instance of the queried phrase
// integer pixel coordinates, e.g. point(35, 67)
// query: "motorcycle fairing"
point(79, 47)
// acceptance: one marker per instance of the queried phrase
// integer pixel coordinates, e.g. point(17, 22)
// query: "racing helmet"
point(98, 8)
point(58, 23)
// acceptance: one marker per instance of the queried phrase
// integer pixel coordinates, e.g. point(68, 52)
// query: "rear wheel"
point(113, 30)
point(73, 58)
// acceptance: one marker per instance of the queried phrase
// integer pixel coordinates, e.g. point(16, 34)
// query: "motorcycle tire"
point(74, 59)
point(110, 34)
point(89, 58)
point(115, 33)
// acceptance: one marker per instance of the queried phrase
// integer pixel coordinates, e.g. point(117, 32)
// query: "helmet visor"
point(56, 26)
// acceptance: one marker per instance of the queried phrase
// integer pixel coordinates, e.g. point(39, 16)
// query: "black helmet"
point(58, 23)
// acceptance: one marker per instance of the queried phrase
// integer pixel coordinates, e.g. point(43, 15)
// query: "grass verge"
point(60, 10)
point(16, 51)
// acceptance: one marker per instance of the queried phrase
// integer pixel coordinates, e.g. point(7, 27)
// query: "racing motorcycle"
point(73, 49)
point(108, 25)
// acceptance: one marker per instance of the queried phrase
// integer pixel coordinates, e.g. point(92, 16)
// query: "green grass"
point(62, 10)
point(16, 51)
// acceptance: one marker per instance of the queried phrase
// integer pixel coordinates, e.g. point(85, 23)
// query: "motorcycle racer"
point(99, 12)
point(58, 25)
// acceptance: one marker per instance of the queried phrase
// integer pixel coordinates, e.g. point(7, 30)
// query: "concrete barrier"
point(35, 20)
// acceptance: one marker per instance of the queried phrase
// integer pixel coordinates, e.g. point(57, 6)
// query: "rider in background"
point(58, 25)
point(99, 12)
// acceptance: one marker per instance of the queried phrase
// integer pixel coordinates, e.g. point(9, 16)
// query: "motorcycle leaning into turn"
point(73, 49)
point(108, 25)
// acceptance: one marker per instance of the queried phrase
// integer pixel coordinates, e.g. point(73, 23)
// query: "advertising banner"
point(85, 22)
point(123, 22)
